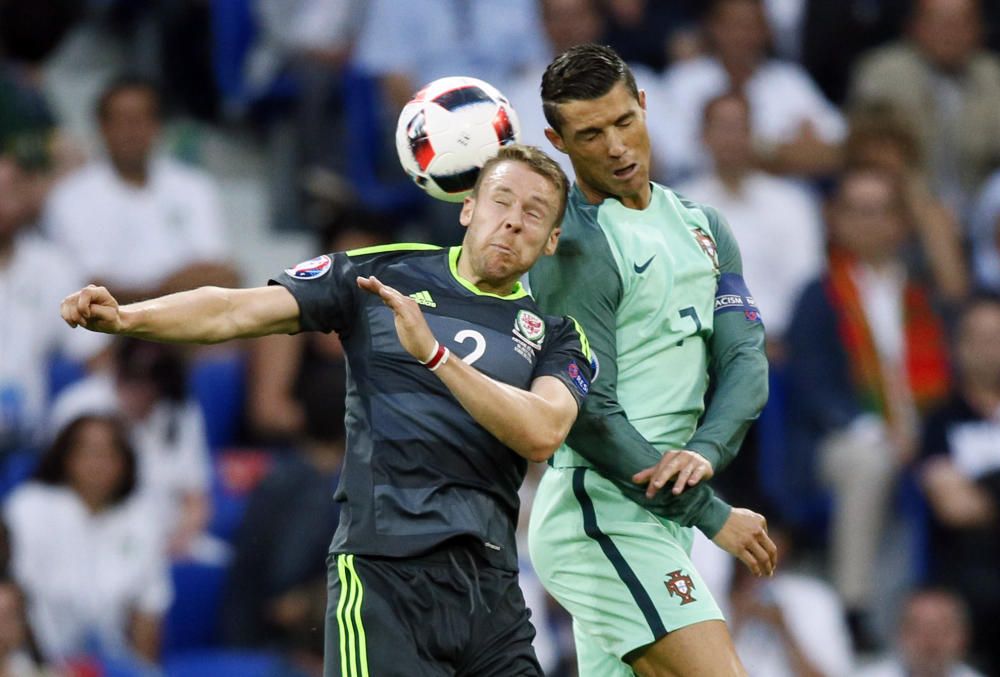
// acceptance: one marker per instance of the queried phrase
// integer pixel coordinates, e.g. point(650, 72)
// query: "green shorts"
point(623, 574)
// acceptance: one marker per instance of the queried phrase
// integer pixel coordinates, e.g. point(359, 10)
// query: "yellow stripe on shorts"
point(353, 648)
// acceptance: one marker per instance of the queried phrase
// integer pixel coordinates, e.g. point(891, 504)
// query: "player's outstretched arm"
point(203, 315)
point(532, 423)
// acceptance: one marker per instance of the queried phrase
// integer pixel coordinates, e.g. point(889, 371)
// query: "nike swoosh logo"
point(642, 269)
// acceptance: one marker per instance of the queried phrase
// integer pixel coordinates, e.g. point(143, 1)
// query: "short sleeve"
point(566, 355)
point(325, 289)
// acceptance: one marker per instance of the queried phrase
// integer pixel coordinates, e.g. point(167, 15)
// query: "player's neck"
point(639, 200)
point(498, 287)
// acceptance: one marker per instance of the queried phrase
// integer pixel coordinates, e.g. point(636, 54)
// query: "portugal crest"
point(680, 585)
point(529, 326)
point(707, 245)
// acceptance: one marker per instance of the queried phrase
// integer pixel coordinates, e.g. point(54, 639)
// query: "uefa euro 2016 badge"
point(680, 585)
point(529, 327)
point(311, 269)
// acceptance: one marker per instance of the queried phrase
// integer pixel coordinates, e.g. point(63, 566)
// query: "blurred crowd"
point(164, 506)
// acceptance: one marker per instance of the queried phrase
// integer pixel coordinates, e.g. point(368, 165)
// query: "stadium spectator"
point(942, 78)
point(961, 478)
point(143, 225)
point(277, 583)
point(984, 233)
point(835, 34)
point(789, 625)
point(795, 129)
point(647, 32)
point(931, 639)
point(167, 430)
point(777, 222)
point(408, 44)
point(29, 335)
point(94, 571)
point(866, 356)
point(881, 137)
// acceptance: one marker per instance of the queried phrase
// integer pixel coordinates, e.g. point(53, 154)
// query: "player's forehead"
point(603, 111)
point(519, 180)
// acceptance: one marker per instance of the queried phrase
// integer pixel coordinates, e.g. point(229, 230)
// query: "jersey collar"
point(453, 253)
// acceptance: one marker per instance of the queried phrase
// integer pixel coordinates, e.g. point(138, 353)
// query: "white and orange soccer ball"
point(448, 131)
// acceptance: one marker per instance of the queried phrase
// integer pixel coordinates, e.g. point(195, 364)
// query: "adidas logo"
point(423, 298)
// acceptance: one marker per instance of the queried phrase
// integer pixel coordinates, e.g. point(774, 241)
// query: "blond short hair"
point(539, 162)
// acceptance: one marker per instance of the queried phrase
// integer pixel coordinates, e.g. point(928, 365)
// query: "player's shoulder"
point(702, 214)
point(387, 254)
point(580, 221)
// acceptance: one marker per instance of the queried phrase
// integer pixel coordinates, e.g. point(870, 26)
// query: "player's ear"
point(642, 99)
point(468, 206)
point(550, 245)
point(556, 140)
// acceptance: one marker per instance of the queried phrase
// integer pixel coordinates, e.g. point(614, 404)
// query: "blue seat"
point(235, 474)
point(63, 372)
point(193, 619)
point(16, 467)
point(223, 664)
point(218, 383)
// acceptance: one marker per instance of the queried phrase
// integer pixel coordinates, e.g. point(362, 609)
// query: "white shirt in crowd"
point(778, 226)
point(136, 237)
point(33, 282)
point(84, 574)
point(782, 97)
point(170, 444)
point(429, 39)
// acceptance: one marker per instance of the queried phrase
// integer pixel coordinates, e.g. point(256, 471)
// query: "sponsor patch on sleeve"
point(577, 378)
point(733, 295)
point(311, 269)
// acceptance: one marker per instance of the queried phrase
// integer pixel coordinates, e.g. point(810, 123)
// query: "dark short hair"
point(127, 83)
point(52, 467)
point(582, 73)
point(539, 162)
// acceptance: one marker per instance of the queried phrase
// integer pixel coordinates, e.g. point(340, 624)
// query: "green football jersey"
point(648, 285)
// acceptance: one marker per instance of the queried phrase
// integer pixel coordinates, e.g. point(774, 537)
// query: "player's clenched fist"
point(94, 308)
point(744, 536)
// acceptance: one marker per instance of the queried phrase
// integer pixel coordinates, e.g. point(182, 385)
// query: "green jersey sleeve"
point(582, 280)
point(738, 363)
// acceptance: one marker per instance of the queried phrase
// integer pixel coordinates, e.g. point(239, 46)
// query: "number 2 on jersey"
point(478, 339)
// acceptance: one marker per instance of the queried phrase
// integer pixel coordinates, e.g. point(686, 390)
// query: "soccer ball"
point(449, 130)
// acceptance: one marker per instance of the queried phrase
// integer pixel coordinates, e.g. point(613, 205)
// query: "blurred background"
point(167, 510)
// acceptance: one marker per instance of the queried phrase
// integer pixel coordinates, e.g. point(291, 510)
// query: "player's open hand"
point(411, 327)
point(94, 308)
point(744, 536)
point(689, 467)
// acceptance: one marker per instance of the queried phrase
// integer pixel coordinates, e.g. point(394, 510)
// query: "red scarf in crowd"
point(925, 349)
